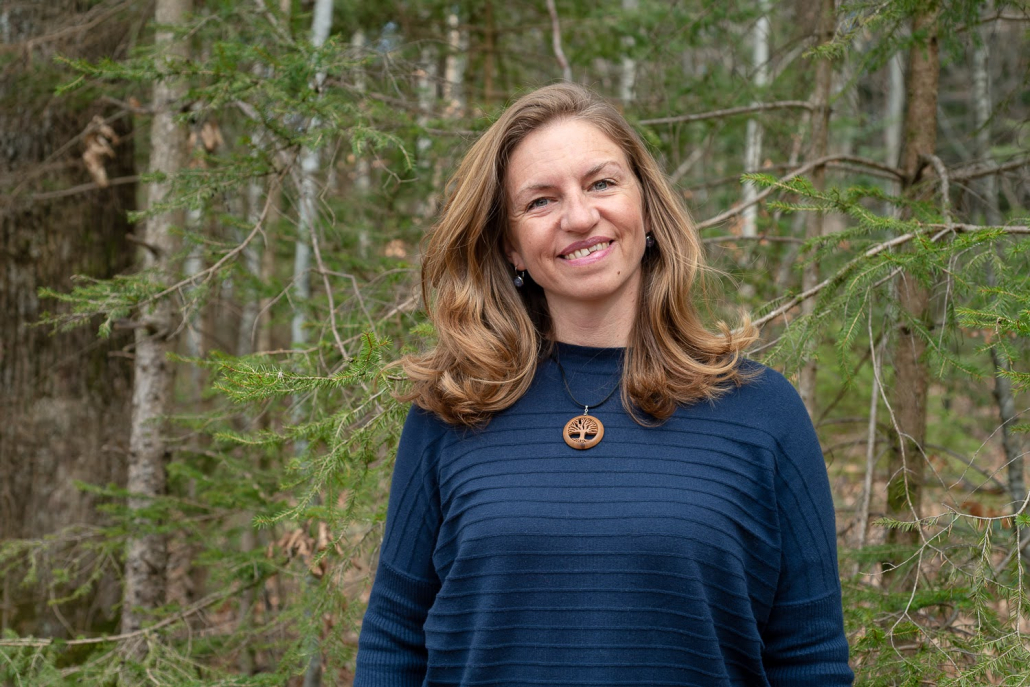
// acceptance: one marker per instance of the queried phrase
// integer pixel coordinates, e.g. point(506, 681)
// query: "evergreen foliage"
point(281, 454)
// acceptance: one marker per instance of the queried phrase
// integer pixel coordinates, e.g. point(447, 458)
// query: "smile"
point(583, 252)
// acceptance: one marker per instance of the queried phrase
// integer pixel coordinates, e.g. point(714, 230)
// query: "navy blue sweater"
point(699, 552)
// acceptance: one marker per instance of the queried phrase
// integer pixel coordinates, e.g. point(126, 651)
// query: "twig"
point(875, 250)
point(730, 111)
point(9, 197)
point(192, 609)
point(78, 26)
point(207, 272)
point(274, 22)
point(760, 238)
point(83, 188)
point(328, 293)
point(566, 70)
point(870, 450)
point(942, 174)
point(803, 169)
point(983, 169)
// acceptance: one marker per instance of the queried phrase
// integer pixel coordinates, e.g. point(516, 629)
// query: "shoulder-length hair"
point(490, 335)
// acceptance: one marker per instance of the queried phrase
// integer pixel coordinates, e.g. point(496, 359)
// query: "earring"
point(518, 280)
point(649, 241)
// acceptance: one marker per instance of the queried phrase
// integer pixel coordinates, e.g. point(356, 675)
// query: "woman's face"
point(576, 220)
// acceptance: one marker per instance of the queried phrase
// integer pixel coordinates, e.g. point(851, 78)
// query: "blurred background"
point(210, 215)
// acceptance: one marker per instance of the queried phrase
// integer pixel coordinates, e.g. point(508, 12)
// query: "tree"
point(911, 382)
point(146, 556)
point(68, 182)
point(277, 476)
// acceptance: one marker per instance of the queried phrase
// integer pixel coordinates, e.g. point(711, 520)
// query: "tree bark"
point(64, 396)
point(147, 555)
point(310, 163)
point(821, 93)
point(753, 140)
point(628, 72)
point(904, 489)
point(983, 108)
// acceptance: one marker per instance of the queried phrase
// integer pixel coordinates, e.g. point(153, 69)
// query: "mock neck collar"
point(575, 356)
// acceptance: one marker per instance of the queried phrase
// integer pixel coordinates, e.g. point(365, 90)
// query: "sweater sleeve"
point(804, 637)
point(391, 648)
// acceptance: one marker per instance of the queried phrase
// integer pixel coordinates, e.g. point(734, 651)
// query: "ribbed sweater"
point(698, 552)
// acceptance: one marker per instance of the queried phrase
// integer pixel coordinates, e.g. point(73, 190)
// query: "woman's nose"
point(578, 213)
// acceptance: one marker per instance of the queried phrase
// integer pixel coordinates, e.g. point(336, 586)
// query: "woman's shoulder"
point(422, 430)
point(767, 398)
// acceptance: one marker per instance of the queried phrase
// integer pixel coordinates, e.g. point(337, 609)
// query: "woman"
point(539, 534)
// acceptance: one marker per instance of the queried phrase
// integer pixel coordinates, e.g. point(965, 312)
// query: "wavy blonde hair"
point(491, 336)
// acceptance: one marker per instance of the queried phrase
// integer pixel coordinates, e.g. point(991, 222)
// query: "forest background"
point(210, 220)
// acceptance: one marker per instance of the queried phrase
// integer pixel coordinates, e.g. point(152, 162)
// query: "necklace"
point(583, 431)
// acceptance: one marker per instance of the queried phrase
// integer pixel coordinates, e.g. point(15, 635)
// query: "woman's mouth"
point(583, 252)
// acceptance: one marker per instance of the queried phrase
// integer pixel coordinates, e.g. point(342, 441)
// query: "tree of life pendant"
point(583, 432)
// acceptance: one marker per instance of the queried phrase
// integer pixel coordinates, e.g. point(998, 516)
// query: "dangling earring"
point(518, 280)
point(649, 241)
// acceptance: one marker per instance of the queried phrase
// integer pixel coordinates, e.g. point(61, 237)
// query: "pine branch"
point(803, 169)
point(205, 274)
point(876, 250)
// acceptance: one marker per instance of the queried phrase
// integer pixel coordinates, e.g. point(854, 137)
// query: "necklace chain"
point(565, 381)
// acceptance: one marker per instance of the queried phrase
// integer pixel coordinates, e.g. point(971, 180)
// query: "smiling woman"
point(538, 534)
point(576, 225)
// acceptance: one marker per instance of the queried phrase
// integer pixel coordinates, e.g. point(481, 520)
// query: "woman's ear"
point(513, 256)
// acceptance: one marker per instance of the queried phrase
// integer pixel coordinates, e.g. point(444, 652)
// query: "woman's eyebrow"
point(601, 165)
point(547, 186)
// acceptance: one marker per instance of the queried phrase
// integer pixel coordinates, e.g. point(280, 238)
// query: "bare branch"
point(803, 169)
point(206, 273)
point(984, 169)
point(84, 188)
point(942, 174)
point(877, 249)
point(761, 238)
point(192, 609)
point(730, 111)
point(566, 70)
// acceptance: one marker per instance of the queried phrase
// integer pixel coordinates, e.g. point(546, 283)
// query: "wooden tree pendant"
point(583, 432)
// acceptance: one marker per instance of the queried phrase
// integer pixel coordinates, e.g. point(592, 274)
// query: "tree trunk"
point(427, 77)
point(628, 73)
point(895, 121)
point(821, 93)
point(310, 163)
point(904, 490)
point(753, 141)
point(147, 555)
point(983, 109)
point(64, 396)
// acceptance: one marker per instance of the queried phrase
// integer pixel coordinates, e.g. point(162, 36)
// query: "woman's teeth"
point(583, 252)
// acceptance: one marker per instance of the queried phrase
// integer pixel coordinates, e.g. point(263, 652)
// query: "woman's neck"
point(590, 328)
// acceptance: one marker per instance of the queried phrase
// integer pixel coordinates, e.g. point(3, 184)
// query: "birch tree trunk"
point(146, 558)
point(907, 463)
point(827, 27)
point(454, 68)
point(753, 143)
point(628, 73)
point(895, 114)
point(310, 163)
point(427, 76)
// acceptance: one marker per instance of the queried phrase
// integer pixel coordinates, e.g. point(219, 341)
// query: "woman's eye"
point(538, 203)
point(602, 184)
